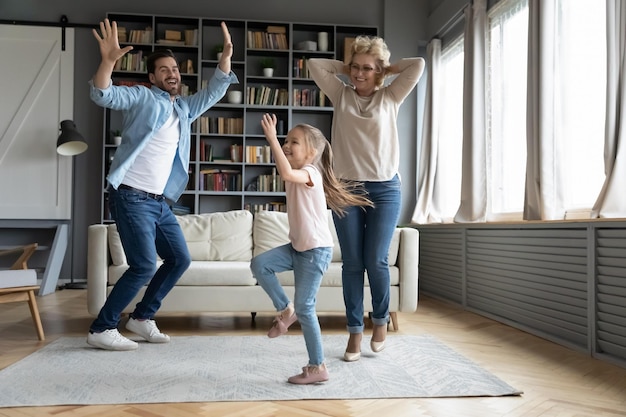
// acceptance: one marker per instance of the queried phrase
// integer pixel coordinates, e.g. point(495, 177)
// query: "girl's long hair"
point(339, 194)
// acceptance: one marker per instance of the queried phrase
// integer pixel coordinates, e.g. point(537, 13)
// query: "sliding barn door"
point(37, 93)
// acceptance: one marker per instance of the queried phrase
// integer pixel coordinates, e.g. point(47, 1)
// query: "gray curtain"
point(611, 202)
point(473, 207)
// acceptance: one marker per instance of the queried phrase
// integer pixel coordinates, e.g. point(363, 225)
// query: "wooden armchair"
point(19, 283)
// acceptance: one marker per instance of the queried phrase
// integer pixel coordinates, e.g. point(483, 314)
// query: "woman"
point(366, 147)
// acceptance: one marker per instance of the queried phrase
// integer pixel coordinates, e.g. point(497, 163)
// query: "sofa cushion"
point(10, 278)
point(203, 274)
point(220, 236)
point(271, 229)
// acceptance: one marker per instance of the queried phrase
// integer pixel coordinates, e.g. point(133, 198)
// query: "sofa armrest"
point(97, 266)
point(408, 254)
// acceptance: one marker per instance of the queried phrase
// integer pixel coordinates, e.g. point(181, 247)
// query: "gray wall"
point(403, 23)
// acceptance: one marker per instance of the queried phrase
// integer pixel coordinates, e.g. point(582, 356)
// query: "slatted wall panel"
point(533, 278)
point(441, 263)
point(611, 292)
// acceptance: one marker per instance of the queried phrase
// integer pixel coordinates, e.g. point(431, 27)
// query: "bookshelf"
point(230, 166)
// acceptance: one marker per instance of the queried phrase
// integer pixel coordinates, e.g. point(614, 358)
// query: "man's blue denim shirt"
point(145, 110)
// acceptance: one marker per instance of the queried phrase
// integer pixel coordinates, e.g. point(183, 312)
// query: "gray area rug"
point(239, 368)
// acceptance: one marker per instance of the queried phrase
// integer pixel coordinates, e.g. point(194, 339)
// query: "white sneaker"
point(148, 330)
point(111, 340)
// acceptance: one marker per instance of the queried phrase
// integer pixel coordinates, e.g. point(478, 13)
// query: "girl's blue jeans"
point(147, 227)
point(308, 269)
point(364, 237)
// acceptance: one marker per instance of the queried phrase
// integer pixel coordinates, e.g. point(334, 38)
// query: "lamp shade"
point(70, 141)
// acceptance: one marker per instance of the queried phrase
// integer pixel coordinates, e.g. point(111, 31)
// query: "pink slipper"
point(281, 325)
point(310, 375)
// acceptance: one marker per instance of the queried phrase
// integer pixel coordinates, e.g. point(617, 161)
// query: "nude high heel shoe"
point(354, 343)
point(377, 346)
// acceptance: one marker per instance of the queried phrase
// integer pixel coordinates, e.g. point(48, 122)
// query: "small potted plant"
point(218, 49)
point(267, 65)
point(116, 137)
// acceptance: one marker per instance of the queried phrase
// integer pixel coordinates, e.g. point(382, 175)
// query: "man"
point(150, 165)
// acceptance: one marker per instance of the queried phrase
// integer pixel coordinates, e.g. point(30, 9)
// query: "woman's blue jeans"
point(308, 269)
point(147, 227)
point(364, 237)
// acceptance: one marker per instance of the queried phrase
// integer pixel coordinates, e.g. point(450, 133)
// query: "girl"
point(305, 164)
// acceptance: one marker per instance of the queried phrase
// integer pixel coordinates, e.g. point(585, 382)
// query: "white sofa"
point(219, 278)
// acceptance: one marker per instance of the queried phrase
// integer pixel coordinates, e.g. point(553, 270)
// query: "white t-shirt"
point(307, 213)
point(153, 165)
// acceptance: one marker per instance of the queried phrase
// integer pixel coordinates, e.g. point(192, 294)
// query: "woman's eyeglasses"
point(366, 69)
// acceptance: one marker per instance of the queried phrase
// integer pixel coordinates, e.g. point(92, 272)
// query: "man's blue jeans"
point(308, 269)
point(364, 236)
point(147, 227)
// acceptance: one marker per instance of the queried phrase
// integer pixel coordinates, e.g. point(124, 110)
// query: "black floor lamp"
point(71, 143)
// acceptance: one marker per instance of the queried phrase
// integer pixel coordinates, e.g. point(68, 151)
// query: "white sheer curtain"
point(612, 199)
point(426, 208)
point(543, 199)
point(473, 206)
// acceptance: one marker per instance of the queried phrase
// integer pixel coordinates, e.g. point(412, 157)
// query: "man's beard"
point(171, 89)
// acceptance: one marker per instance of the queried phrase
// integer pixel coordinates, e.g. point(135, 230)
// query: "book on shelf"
point(347, 44)
point(122, 36)
point(259, 154)
point(221, 125)
point(309, 97)
point(206, 151)
point(269, 206)
point(258, 39)
point(173, 35)
point(267, 96)
point(134, 35)
point(301, 68)
point(132, 61)
point(272, 183)
point(236, 152)
point(191, 37)
point(276, 29)
point(218, 179)
point(186, 67)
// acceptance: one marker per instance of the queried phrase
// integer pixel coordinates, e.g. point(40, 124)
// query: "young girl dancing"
point(305, 164)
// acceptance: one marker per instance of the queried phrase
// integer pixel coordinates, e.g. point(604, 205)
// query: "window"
point(448, 181)
point(506, 107)
point(581, 101)
point(580, 86)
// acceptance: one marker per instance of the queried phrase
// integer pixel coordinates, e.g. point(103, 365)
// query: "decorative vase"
point(322, 41)
point(219, 56)
point(268, 72)
point(234, 97)
point(117, 140)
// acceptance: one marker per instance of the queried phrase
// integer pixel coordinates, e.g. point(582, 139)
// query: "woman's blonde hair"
point(339, 194)
point(376, 47)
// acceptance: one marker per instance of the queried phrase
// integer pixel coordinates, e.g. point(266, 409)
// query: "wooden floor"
point(556, 381)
